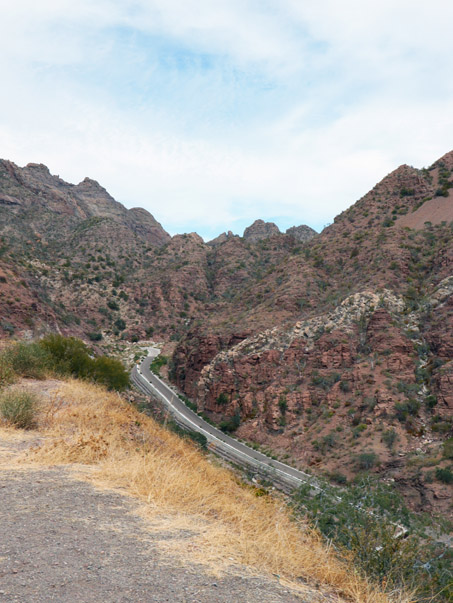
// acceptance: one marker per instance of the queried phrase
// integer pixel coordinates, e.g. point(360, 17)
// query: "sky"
point(213, 113)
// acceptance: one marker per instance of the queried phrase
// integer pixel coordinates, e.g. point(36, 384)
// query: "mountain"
point(356, 368)
point(335, 350)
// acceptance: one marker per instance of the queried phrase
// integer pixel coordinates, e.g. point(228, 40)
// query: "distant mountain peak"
point(302, 233)
point(260, 230)
point(222, 238)
point(38, 166)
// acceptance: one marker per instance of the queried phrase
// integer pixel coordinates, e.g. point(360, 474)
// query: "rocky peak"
point(222, 238)
point(51, 198)
point(260, 230)
point(39, 167)
point(301, 233)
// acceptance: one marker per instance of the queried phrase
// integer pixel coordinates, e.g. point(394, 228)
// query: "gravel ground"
point(63, 540)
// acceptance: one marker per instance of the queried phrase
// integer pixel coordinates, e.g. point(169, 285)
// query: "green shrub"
point(94, 336)
point(69, 356)
point(157, 363)
point(444, 475)
point(405, 409)
point(366, 460)
point(222, 399)
point(7, 374)
point(231, 424)
point(345, 387)
point(113, 305)
point(120, 324)
point(28, 360)
point(389, 437)
point(338, 478)
point(17, 407)
point(109, 372)
point(448, 449)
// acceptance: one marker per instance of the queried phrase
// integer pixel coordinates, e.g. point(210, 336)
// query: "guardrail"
point(266, 469)
point(284, 481)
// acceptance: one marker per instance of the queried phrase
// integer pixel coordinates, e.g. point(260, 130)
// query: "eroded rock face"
point(301, 233)
point(59, 207)
point(326, 389)
point(222, 238)
point(444, 385)
point(260, 230)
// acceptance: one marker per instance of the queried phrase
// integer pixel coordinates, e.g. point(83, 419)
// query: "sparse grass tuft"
point(18, 408)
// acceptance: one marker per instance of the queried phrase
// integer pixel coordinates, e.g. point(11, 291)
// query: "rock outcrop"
point(260, 230)
point(222, 238)
point(301, 233)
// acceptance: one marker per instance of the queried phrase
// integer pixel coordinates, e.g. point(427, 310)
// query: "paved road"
point(284, 476)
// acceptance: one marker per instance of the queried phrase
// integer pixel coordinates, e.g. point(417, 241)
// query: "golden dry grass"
point(83, 423)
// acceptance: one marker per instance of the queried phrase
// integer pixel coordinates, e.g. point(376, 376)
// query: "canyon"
point(333, 351)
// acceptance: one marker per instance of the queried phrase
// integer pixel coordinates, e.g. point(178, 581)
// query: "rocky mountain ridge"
point(324, 349)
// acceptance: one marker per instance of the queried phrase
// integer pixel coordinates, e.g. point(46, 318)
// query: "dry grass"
point(85, 424)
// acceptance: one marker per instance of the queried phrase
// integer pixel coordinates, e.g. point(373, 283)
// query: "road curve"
point(281, 475)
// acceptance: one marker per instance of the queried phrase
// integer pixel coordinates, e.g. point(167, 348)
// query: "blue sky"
point(211, 114)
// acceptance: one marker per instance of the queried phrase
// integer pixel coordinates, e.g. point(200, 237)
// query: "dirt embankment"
point(101, 503)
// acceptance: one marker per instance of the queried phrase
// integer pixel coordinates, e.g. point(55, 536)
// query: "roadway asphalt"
point(239, 452)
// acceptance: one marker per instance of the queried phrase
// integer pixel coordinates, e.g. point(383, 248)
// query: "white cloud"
point(304, 106)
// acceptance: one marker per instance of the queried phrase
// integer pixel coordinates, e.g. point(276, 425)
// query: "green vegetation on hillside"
point(366, 520)
point(63, 356)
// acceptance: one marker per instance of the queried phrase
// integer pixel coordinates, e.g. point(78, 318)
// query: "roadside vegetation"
point(393, 546)
point(63, 357)
point(81, 422)
point(158, 363)
point(18, 408)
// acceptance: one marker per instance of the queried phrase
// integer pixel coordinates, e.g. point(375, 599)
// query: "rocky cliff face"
point(51, 207)
point(366, 367)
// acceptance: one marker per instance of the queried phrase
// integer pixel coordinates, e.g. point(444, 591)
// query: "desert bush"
point(364, 521)
point(366, 460)
point(120, 324)
point(63, 356)
point(109, 372)
point(94, 336)
point(448, 449)
point(231, 424)
point(389, 437)
point(112, 304)
point(27, 360)
point(158, 363)
point(222, 399)
point(7, 374)
point(69, 356)
point(17, 407)
point(445, 475)
point(405, 409)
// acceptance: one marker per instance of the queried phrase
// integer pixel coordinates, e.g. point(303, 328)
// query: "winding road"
point(281, 475)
